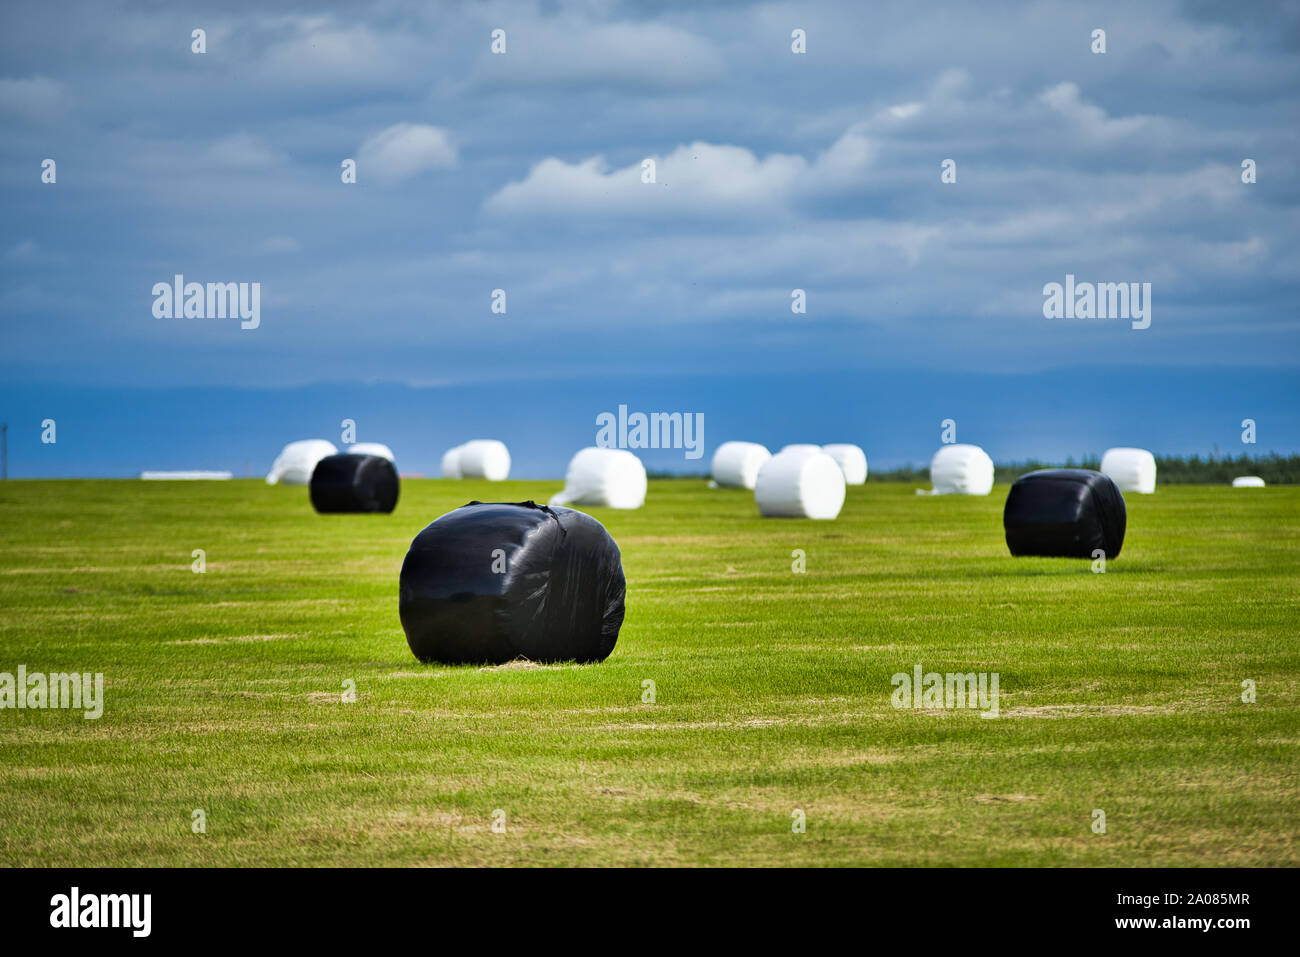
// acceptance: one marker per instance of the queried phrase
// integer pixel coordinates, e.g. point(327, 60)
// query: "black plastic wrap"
point(491, 582)
point(1065, 513)
point(354, 483)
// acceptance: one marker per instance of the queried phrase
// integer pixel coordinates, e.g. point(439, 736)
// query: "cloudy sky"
point(522, 171)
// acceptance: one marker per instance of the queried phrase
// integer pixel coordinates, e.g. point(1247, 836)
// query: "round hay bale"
point(297, 460)
point(736, 464)
point(614, 478)
point(372, 448)
point(851, 460)
point(451, 463)
point(354, 483)
point(484, 459)
point(961, 470)
point(800, 483)
point(492, 582)
point(1064, 513)
point(1248, 481)
point(1133, 470)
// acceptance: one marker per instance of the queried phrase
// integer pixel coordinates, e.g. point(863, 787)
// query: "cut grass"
point(1119, 692)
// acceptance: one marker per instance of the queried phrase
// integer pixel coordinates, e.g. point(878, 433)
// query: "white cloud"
point(1230, 257)
point(242, 151)
point(319, 51)
point(1088, 118)
point(35, 98)
point(647, 55)
point(706, 178)
point(845, 161)
point(700, 178)
point(403, 150)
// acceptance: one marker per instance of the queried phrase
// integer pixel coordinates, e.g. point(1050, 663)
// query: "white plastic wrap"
point(1248, 481)
point(614, 478)
point(800, 483)
point(961, 470)
point(451, 463)
point(295, 463)
point(484, 459)
point(372, 448)
point(1133, 470)
point(851, 460)
point(736, 464)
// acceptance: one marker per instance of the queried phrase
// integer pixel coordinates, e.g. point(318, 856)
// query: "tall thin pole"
point(4, 450)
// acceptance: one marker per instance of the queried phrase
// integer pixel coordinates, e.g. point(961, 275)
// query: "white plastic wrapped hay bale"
point(1133, 470)
point(451, 463)
point(484, 459)
point(736, 464)
point(372, 448)
point(1248, 481)
point(297, 460)
point(961, 470)
point(851, 460)
point(800, 483)
point(614, 478)
point(185, 475)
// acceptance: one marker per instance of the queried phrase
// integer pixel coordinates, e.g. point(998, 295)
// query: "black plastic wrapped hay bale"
point(492, 582)
point(354, 483)
point(1064, 513)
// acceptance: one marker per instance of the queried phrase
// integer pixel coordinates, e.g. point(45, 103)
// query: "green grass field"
point(224, 690)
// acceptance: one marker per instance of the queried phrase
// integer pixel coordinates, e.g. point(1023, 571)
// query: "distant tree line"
point(1274, 469)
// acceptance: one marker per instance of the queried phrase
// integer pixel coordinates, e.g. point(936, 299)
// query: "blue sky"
point(522, 172)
